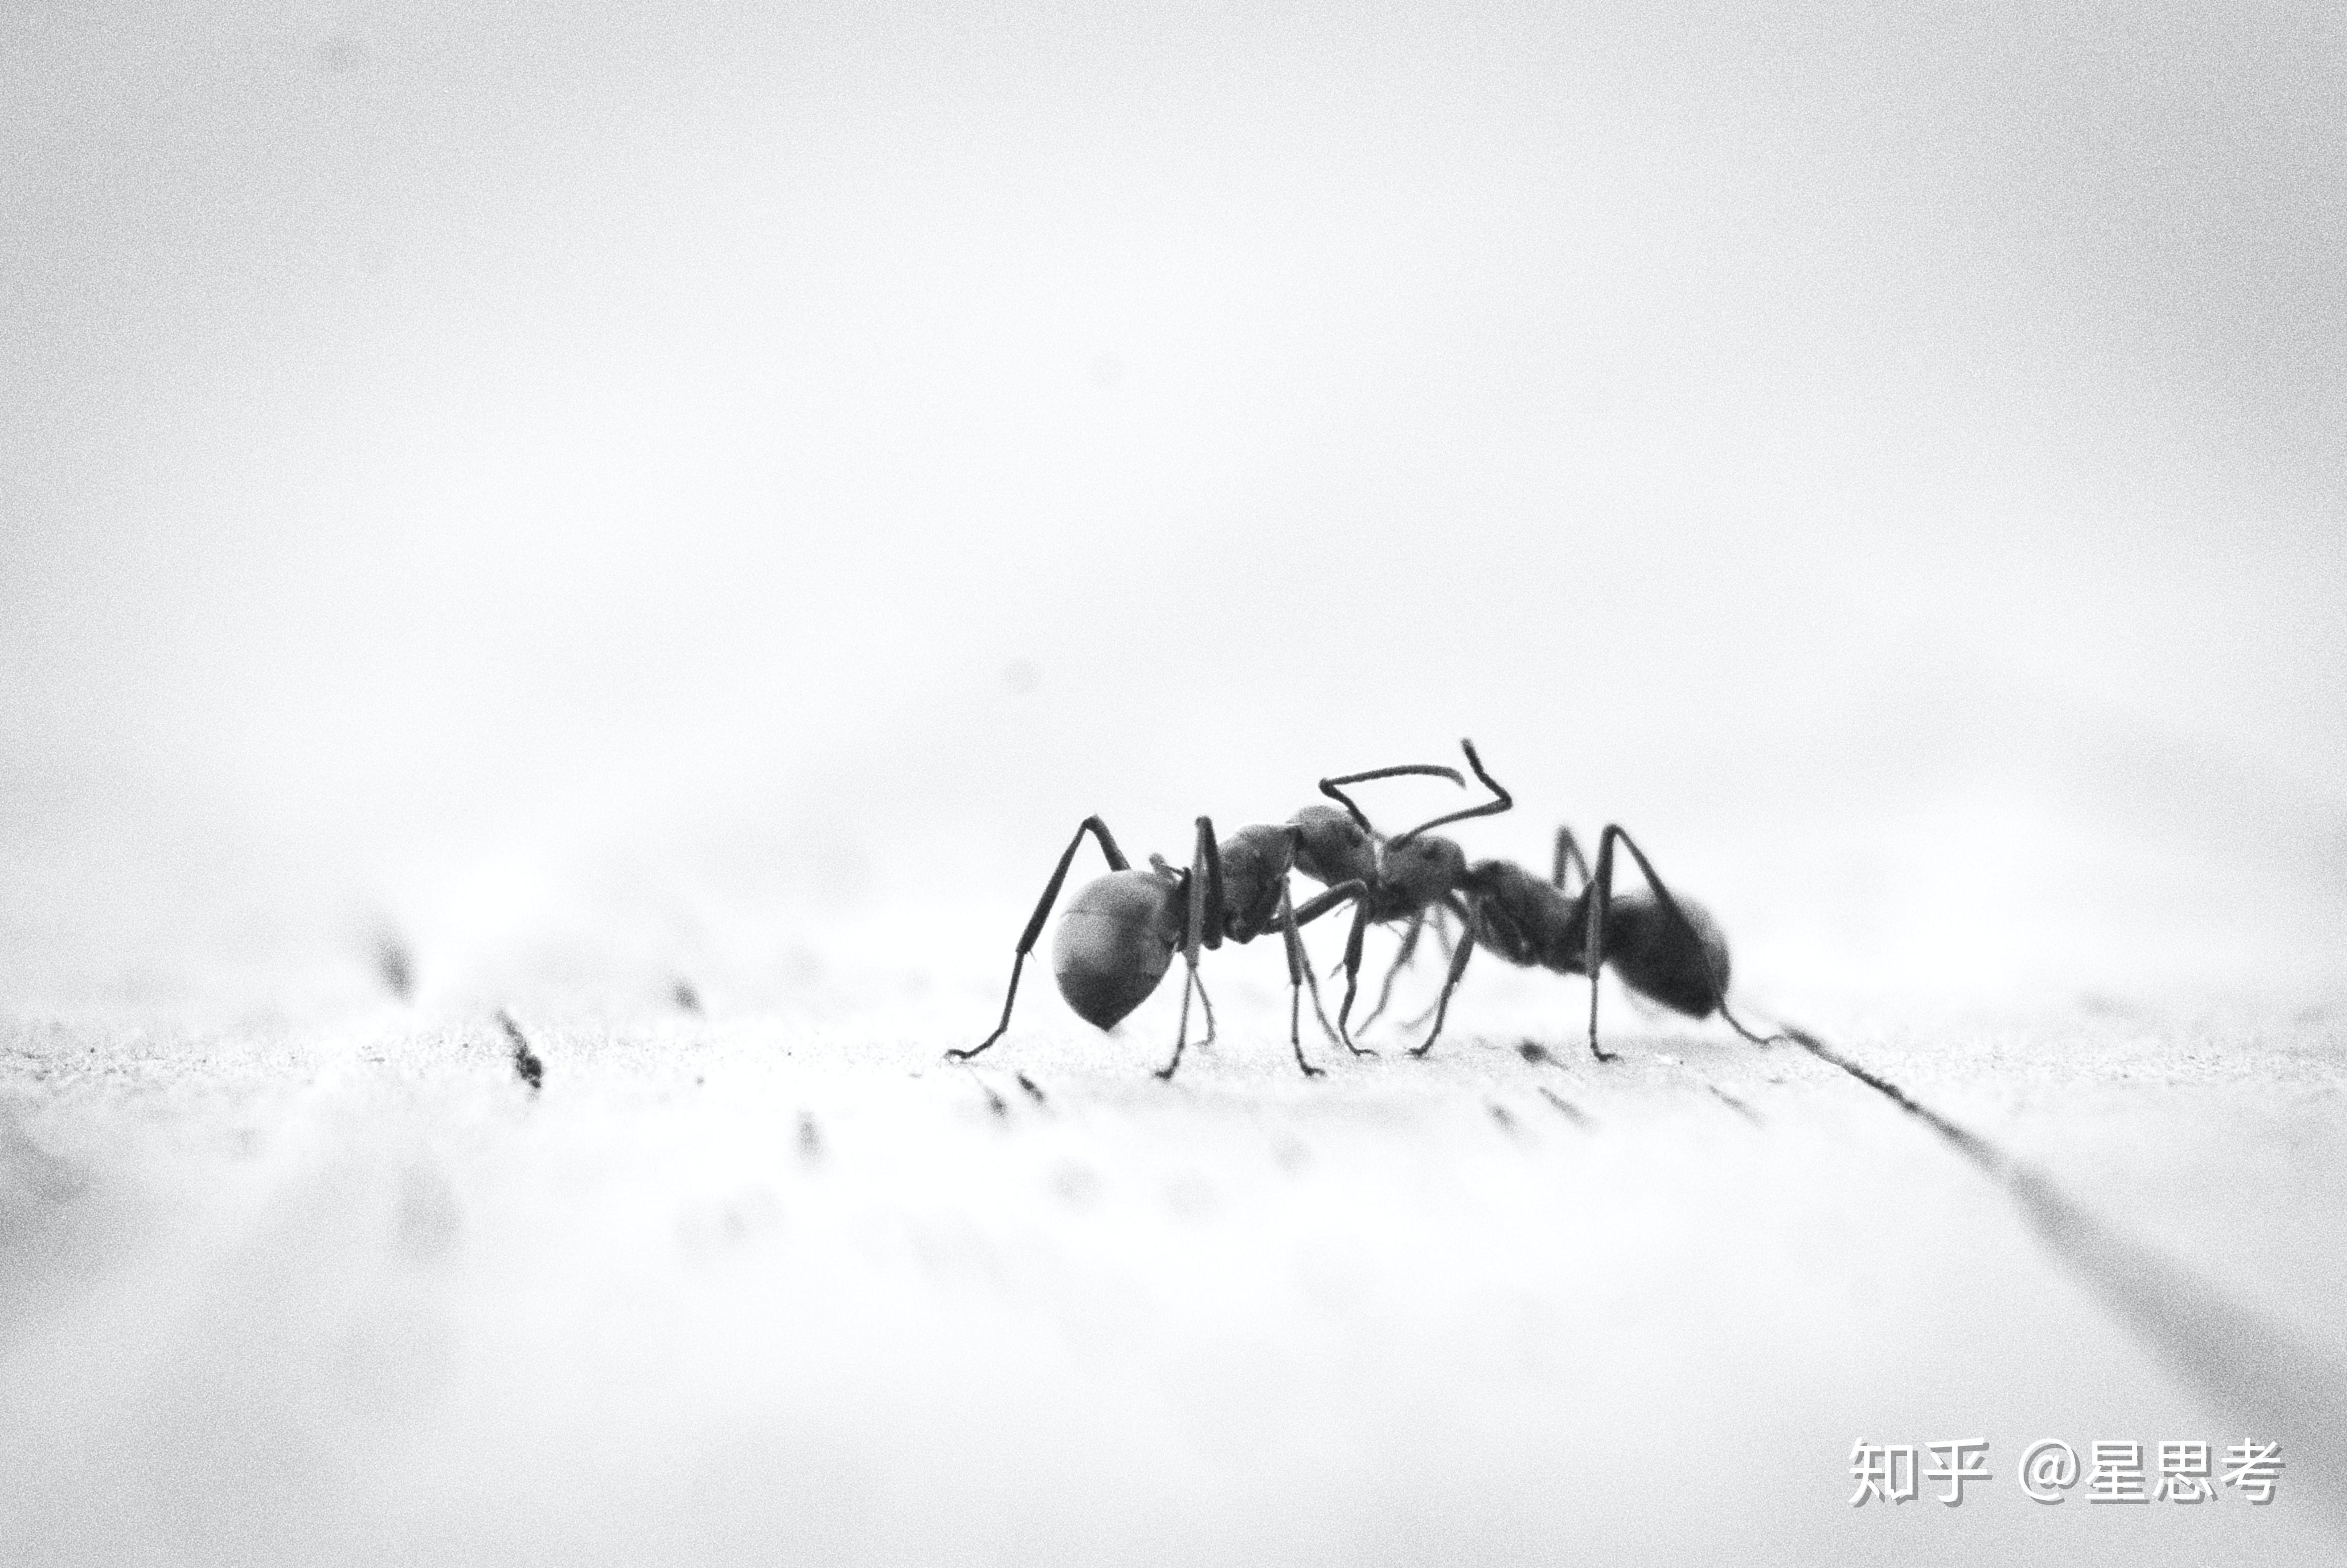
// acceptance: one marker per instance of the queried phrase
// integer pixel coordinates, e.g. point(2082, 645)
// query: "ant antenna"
point(1434, 770)
point(1489, 808)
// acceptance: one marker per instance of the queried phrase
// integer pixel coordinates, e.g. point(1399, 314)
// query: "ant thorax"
point(1331, 848)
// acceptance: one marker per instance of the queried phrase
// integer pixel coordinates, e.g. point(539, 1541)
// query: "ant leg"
point(1352, 977)
point(1320, 903)
point(1568, 854)
point(1504, 801)
point(1602, 887)
point(1401, 962)
point(1442, 938)
point(1458, 956)
point(1600, 894)
point(1193, 932)
point(1117, 862)
point(1300, 971)
point(1207, 862)
point(1181, 1038)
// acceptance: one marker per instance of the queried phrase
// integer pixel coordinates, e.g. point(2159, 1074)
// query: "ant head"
point(1424, 866)
point(1330, 846)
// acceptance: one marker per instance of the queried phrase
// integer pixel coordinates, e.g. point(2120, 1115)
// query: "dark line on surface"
point(1737, 1105)
point(2260, 1372)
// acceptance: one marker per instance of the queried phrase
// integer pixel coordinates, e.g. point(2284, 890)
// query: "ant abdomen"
point(1114, 944)
point(1659, 956)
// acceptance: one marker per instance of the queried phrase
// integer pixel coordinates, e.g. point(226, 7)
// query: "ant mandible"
point(1120, 931)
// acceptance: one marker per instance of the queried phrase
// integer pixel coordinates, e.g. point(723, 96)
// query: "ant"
point(1664, 947)
point(1120, 931)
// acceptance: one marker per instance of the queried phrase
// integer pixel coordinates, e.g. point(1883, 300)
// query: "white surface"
point(339, 1290)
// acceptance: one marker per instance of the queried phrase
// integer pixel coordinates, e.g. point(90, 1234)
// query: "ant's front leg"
point(1599, 895)
point(1401, 962)
point(1458, 956)
point(1300, 974)
point(1352, 977)
point(1117, 862)
point(1319, 903)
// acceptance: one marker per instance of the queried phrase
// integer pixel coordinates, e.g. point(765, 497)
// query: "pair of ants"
point(1120, 931)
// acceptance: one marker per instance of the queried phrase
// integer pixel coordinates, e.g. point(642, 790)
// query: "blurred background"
point(719, 489)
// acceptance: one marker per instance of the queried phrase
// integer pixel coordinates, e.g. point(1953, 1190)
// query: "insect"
point(1404, 876)
point(1120, 931)
point(1663, 947)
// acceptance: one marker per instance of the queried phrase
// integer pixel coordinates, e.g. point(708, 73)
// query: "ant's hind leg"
point(1450, 948)
point(1193, 931)
point(1401, 962)
point(1458, 956)
point(1602, 897)
point(1117, 862)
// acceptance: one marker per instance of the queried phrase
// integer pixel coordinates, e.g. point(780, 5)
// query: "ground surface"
point(335, 1286)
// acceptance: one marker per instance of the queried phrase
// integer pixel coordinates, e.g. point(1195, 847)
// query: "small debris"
point(1033, 1093)
point(1574, 1114)
point(994, 1102)
point(686, 999)
point(1503, 1115)
point(526, 1066)
point(810, 1139)
point(1534, 1052)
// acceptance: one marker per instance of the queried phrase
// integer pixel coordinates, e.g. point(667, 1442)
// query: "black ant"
point(1120, 931)
point(1664, 948)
